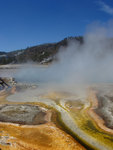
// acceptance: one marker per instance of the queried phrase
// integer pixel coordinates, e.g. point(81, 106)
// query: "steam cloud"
point(86, 63)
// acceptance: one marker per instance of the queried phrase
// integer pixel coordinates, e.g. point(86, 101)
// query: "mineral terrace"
point(34, 119)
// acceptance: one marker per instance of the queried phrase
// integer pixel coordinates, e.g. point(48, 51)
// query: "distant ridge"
point(43, 53)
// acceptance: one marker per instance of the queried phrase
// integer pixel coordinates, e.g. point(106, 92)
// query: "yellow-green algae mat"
point(78, 121)
point(101, 139)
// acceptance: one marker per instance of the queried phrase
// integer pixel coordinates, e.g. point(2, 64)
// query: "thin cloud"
point(105, 7)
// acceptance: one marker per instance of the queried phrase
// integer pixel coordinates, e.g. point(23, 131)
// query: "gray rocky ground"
point(22, 114)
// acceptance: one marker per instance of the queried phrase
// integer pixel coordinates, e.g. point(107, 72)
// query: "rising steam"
point(86, 63)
